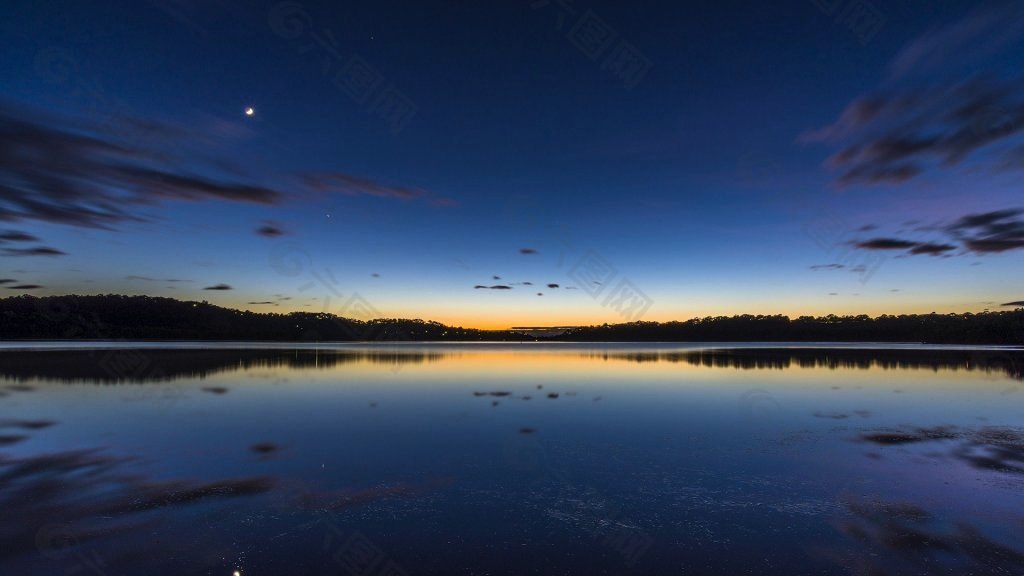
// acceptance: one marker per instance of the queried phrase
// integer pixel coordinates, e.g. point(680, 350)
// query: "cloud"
point(260, 303)
point(496, 287)
point(989, 232)
point(24, 287)
point(886, 244)
point(16, 236)
point(82, 175)
point(37, 251)
point(981, 34)
point(552, 286)
point(219, 287)
point(1017, 303)
point(983, 233)
point(527, 251)
point(817, 267)
point(270, 230)
point(148, 279)
point(909, 125)
point(357, 186)
point(932, 248)
point(7, 280)
point(104, 174)
point(923, 127)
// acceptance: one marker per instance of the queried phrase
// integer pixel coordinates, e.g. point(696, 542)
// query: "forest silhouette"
point(114, 317)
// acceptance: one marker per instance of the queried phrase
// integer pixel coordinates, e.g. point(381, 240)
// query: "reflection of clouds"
point(902, 538)
point(993, 449)
point(94, 495)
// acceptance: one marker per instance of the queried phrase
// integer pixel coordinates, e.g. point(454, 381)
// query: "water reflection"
point(140, 365)
point(510, 460)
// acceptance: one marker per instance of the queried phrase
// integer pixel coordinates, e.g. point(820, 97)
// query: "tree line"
point(116, 317)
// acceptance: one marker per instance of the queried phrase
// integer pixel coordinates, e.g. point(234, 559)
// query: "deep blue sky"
point(707, 185)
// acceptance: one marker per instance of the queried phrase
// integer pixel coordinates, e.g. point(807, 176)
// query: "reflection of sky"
point(725, 448)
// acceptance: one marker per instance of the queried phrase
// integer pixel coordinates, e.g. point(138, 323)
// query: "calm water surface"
point(510, 459)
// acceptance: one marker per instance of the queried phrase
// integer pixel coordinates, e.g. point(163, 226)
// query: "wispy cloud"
point(984, 233)
point(16, 236)
point(908, 126)
point(338, 182)
point(102, 175)
point(997, 231)
point(83, 175)
point(984, 32)
point(36, 251)
point(149, 279)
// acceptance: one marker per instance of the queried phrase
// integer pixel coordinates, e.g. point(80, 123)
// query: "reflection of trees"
point(144, 365)
point(1010, 363)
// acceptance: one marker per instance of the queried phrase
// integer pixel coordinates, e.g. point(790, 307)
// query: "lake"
point(262, 459)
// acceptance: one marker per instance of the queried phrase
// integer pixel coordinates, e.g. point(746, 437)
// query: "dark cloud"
point(907, 127)
point(270, 230)
point(527, 251)
point(496, 277)
point(496, 287)
point(867, 228)
point(828, 267)
point(80, 175)
point(219, 287)
point(7, 280)
point(24, 287)
point(997, 231)
point(261, 303)
point(375, 275)
point(1017, 303)
point(886, 244)
point(16, 236)
point(36, 251)
point(983, 233)
point(932, 248)
point(552, 285)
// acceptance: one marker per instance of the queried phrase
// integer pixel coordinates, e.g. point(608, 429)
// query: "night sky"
point(528, 162)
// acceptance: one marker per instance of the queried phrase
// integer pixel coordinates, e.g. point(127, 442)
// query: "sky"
point(519, 163)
